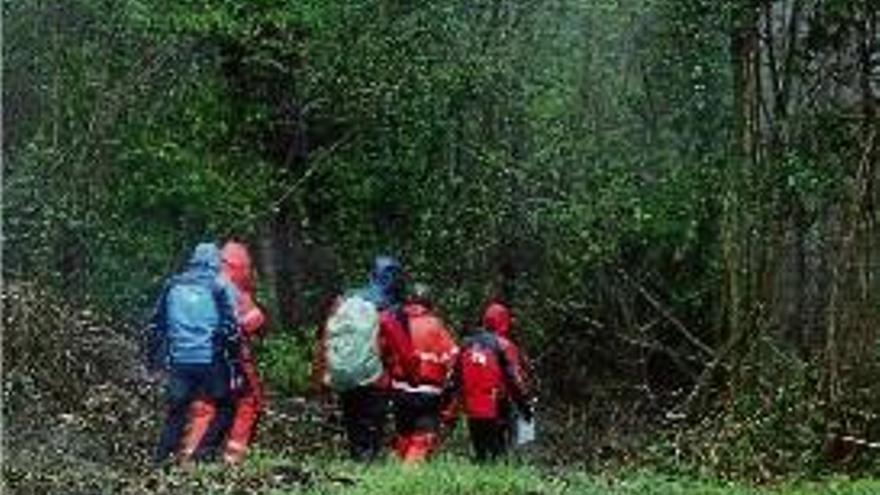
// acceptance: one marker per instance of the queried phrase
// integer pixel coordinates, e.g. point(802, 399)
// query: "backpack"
point(189, 325)
point(353, 344)
point(435, 348)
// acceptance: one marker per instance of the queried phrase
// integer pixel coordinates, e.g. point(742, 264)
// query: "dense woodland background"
point(678, 197)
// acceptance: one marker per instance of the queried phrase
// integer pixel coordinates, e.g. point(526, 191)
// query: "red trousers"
point(415, 447)
point(248, 408)
point(417, 418)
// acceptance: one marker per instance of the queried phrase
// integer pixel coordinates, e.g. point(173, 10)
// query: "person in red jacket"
point(490, 375)
point(250, 402)
point(365, 407)
point(417, 405)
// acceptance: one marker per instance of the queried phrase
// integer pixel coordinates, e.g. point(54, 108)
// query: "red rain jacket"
point(490, 369)
point(237, 267)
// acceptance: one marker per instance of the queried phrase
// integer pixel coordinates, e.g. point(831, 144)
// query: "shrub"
point(285, 363)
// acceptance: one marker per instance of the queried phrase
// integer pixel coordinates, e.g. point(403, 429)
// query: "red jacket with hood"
point(491, 369)
point(238, 269)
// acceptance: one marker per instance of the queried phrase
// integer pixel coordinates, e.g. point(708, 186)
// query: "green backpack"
point(353, 344)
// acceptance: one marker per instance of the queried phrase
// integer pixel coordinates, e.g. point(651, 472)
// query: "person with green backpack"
point(363, 346)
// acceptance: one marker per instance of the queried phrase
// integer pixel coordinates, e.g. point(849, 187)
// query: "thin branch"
point(316, 163)
point(668, 315)
point(861, 442)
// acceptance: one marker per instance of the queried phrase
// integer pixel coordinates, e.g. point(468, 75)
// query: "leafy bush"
point(769, 423)
point(285, 364)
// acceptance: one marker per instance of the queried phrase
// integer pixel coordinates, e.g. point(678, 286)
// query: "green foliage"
point(135, 163)
point(448, 145)
point(582, 159)
point(285, 364)
point(771, 425)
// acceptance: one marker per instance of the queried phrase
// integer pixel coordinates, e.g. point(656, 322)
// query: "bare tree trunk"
point(738, 221)
point(285, 240)
point(736, 245)
point(286, 233)
point(268, 259)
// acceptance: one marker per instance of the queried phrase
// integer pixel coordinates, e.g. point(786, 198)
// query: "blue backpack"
point(194, 321)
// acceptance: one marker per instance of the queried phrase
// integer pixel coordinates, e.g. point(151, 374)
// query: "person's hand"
point(449, 411)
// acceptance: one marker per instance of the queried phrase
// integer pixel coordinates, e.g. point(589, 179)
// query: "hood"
point(386, 271)
point(237, 266)
point(205, 256)
point(497, 318)
point(415, 309)
point(386, 281)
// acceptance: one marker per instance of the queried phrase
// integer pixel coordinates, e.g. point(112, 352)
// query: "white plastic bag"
point(524, 430)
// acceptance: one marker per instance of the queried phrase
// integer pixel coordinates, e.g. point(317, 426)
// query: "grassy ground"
point(453, 476)
point(456, 477)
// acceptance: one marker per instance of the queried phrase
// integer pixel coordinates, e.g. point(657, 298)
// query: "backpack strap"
point(157, 331)
point(517, 393)
point(227, 323)
point(402, 317)
point(227, 341)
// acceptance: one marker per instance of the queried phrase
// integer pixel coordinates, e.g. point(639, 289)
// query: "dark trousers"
point(364, 412)
point(185, 384)
point(489, 438)
point(416, 412)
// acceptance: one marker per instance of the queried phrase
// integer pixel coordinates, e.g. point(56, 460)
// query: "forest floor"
point(79, 419)
point(270, 473)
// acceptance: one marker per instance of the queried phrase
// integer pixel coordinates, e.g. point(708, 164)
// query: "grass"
point(456, 476)
point(267, 473)
point(446, 476)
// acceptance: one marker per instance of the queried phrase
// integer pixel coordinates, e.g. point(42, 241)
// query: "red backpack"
point(433, 344)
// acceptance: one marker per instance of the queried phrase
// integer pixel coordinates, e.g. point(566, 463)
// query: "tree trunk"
point(291, 149)
point(736, 228)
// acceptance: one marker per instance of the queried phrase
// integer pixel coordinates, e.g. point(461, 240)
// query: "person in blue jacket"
point(193, 334)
